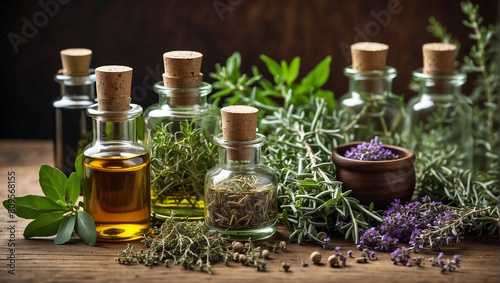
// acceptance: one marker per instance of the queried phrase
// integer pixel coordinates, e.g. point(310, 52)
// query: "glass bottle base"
point(179, 212)
point(120, 233)
point(254, 234)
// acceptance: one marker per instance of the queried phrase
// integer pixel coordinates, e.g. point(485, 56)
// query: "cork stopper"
point(182, 82)
point(182, 70)
point(76, 61)
point(239, 123)
point(182, 64)
point(369, 56)
point(113, 85)
point(439, 59)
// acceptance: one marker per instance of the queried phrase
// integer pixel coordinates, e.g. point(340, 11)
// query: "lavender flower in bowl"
point(375, 172)
point(373, 151)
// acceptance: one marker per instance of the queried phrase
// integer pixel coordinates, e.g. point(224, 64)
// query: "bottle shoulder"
point(115, 149)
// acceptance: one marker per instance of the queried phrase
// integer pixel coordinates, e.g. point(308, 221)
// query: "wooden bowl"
point(379, 182)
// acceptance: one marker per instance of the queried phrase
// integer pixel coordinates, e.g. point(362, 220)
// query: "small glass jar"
point(240, 195)
point(439, 117)
point(73, 128)
point(369, 108)
point(117, 176)
point(176, 175)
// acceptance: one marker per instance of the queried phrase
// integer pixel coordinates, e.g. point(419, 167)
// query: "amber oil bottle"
point(116, 164)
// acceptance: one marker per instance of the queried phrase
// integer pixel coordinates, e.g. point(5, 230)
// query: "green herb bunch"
point(189, 244)
point(301, 134)
point(179, 162)
point(57, 211)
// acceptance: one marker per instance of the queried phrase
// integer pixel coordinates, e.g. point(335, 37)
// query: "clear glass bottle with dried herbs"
point(179, 130)
point(240, 192)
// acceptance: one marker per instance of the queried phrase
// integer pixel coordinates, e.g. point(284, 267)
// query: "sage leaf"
point(65, 230)
point(44, 225)
point(293, 71)
point(33, 206)
point(72, 188)
point(53, 182)
point(85, 228)
point(273, 66)
point(318, 76)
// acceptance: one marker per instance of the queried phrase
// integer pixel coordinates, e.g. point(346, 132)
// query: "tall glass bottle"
point(439, 117)
point(178, 131)
point(441, 114)
point(240, 192)
point(116, 170)
point(369, 108)
point(73, 128)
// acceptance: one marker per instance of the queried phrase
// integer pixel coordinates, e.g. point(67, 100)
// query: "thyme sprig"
point(189, 244)
point(179, 162)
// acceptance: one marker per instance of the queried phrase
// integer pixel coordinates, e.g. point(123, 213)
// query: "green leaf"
point(65, 230)
point(32, 206)
point(85, 228)
point(72, 188)
point(53, 182)
point(293, 71)
point(44, 225)
point(318, 76)
point(139, 128)
point(273, 66)
point(79, 169)
point(328, 96)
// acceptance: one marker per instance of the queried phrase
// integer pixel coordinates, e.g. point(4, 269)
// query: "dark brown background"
point(137, 33)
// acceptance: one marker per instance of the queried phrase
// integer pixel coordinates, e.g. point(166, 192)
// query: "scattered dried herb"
point(189, 244)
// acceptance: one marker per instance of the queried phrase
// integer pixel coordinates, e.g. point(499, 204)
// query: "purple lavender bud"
point(349, 253)
point(440, 256)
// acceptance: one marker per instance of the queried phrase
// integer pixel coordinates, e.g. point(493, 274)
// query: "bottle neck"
point(114, 126)
point(376, 82)
point(239, 153)
point(77, 87)
point(183, 97)
point(440, 85)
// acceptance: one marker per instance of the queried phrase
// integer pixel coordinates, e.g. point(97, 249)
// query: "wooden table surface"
point(41, 261)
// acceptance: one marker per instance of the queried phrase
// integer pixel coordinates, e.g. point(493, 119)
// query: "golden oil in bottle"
point(118, 196)
point(116, 166)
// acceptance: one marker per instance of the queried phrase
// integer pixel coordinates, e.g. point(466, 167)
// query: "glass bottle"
point(175, 190)
point(369, 108)
point(240, 195)
point(73, 128)
point(441, 114)
point(117, 176)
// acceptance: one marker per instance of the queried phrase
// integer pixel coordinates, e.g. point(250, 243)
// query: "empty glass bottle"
point(369, 108)
point(439, 117)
